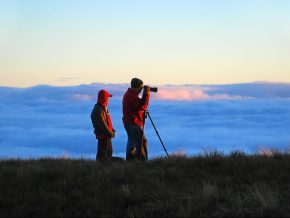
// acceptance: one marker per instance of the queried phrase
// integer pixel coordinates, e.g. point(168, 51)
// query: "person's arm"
point(142, 104)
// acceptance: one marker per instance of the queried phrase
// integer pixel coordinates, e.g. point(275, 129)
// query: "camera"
point(151, 89)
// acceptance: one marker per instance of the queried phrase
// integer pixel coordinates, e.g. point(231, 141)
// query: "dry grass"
point(205, 186)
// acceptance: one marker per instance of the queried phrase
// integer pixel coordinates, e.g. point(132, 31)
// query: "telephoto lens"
point(153, 89)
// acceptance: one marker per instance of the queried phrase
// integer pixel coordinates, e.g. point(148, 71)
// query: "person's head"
point(137, 84)
point(103, 97)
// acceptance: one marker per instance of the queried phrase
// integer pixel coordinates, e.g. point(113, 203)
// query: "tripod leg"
point(157, 133)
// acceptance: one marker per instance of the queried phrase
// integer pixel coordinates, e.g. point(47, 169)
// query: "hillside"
point(211, 185)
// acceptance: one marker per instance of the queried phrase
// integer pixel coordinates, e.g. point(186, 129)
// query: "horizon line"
point(168, 84)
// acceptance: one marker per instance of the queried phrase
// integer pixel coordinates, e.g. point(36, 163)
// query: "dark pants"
point(137, 143)
point(105, 149)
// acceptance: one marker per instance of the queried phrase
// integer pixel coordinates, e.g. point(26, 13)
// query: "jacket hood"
point(103, 97)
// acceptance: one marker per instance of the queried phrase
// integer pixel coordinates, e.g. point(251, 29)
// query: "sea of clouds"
point(55, 121)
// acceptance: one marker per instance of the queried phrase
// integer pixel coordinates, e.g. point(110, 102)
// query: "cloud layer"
point(55, 121)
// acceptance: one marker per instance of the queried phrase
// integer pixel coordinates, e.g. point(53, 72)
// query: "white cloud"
point(49, 121)
point(82, 97)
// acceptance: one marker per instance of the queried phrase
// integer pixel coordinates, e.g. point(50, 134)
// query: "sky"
point(54, 121)
point(68, 42)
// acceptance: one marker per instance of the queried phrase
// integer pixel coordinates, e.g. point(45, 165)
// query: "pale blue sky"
point(161, 41)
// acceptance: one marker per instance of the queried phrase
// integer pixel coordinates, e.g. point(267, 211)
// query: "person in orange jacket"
point(134, 109)
point(103, 127)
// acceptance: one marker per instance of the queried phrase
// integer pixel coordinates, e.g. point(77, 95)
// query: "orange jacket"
point(100, 117)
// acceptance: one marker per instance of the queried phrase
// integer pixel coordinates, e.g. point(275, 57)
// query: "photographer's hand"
point(146, 89)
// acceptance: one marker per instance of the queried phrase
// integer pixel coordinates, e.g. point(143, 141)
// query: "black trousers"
point(105, 149)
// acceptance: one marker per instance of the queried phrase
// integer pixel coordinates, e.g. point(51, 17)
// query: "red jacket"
point(101, 119)
point(134, 107)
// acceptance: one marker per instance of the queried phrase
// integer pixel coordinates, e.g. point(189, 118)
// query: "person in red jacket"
point(134, 109)
point(103, 127)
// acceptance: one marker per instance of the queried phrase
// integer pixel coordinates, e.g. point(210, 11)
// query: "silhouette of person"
point(103, 127)
point(134, 109)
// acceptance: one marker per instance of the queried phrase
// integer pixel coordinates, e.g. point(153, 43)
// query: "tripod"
point(146, 113)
